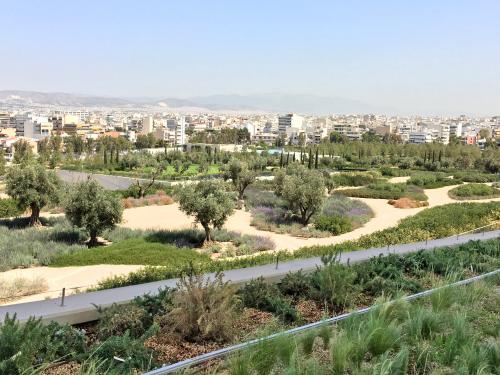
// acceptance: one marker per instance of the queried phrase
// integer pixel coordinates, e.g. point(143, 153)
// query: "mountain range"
point(273, 102)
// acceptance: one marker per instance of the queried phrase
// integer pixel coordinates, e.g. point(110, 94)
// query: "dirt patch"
point(170, 349)
point(252, 318)
point(407, 203)
point(63, 369)
point(310, 310)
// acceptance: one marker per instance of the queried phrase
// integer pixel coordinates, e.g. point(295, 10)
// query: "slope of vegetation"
point(200, 316)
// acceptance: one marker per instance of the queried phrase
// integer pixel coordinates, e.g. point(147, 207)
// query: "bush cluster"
point(474, 191)
point(9, 208)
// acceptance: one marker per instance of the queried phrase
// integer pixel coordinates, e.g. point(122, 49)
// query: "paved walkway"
point(80, 308)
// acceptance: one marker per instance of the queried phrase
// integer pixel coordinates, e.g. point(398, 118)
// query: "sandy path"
point(68, 277)
point(170, 217)
point(397, 180)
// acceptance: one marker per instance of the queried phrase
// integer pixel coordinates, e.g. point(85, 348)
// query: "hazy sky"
point(413, 56)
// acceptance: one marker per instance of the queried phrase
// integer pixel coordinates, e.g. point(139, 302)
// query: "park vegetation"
point(474, 191)
point(200, 315)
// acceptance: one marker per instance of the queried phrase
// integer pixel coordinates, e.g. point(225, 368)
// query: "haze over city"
point(387, 57)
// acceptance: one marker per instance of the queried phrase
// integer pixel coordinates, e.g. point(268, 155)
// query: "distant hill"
point(60, 98)
point(307, 104)
point(275, 102)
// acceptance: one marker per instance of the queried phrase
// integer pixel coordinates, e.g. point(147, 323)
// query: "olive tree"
point(303, 190)
point(34, 187)
point(240, 174)
point(91, 207)
point(208, 202)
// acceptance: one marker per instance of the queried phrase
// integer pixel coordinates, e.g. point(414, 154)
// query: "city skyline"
point(421, 58)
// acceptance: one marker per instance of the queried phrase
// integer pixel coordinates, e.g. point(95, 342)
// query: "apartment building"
point(288, 121)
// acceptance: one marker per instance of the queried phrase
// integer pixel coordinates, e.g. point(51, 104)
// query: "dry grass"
point(407, 203)
point(19, 287)
point(158, 199)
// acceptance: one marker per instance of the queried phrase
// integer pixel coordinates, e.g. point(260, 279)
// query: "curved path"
point(386, 216)
point(80, 308)
point(170, 217)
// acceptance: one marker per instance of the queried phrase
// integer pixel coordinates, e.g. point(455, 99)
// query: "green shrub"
point(295, 284)
point(474, 191)
point(33, 343)
point(9, 208)
point(267, 297)
point(432, 180)
point(334, 286)
point(333, 224)
point(386, 191)
point(118, 319)
point(355, 178)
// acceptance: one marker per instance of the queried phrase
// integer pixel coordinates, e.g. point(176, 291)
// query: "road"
point(118, 182)
point(80, 308)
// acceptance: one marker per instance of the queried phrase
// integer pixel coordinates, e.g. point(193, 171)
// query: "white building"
point(456, 129)
point(180, 132)
point(290, 120)
point(420, 137)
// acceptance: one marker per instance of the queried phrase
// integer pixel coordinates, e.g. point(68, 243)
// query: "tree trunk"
point(93, 240)
point(35, 215)
point(208, 238)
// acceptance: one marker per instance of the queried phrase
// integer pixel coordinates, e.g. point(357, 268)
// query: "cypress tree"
point(316, 160)
point(281, 160)
point(105, 157)
point(433, 156)
point(287, 158)
point(294, 156)
point(310, 159)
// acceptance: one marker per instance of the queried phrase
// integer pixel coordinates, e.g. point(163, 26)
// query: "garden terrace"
point(158, 328)
point(450, 331)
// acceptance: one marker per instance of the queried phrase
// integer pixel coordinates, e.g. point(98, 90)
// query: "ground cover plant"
point(21, 246)
point(386, 190)
point(448, 332)
point(9, 208)
point(175, 250)
point(431, 223)
point(356, 178)
point(199, 315)
point(432, 180)
point(474, 191)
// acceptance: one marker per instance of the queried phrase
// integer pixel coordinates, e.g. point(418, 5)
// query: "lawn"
point(133, 251)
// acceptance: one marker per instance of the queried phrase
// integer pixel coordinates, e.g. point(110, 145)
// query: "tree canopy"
point(303, 189)
point(240, 174)
point(34, 187)
point(91, 207)
point(208, 202)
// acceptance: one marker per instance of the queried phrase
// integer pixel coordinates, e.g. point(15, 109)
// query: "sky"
point(411, 56)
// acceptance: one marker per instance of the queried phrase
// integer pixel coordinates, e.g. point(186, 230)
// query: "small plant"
point(202, 309)
point(118, 319)
point(333, 224)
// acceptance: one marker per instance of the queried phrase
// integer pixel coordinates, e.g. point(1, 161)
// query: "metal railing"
point(248, 344)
